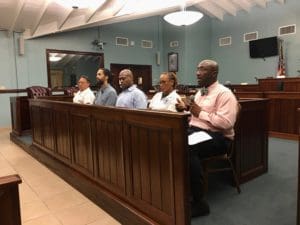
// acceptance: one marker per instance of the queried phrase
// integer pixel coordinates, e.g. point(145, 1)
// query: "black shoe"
point(199, 208)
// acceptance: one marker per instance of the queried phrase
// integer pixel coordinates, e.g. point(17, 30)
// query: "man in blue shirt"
point(131, 96)
point(106, 95)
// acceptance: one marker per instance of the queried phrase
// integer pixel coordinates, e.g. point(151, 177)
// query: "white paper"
point(198, 137)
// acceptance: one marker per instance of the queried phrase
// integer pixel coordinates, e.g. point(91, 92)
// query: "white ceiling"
point(41, 17)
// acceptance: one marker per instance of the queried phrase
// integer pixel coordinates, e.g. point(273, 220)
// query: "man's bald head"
point(207, 72)
point(125, 78)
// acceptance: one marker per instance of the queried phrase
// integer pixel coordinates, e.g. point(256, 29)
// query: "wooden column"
point(9, 200)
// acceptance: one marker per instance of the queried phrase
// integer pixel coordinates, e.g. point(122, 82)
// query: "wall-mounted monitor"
point(262, 48)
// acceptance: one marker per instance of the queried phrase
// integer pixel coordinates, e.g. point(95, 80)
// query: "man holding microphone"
point(213, 110)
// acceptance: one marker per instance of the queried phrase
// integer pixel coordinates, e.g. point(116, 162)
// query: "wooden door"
point(142, 75)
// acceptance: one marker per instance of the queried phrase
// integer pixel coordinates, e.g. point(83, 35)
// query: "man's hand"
point(180, 105)
point(195, 109)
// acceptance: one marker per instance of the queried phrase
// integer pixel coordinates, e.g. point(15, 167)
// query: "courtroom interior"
point(67, 163)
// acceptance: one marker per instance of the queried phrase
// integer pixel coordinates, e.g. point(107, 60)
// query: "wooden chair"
point(70, 91)
point(227, 158)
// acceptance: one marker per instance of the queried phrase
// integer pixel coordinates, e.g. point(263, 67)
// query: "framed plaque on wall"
point(172, 62)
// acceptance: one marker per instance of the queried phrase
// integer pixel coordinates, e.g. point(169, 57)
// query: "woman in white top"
point(167, 97)
point(84, 95)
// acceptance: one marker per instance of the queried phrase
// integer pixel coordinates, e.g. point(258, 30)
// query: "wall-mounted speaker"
point(21, 45)
point(157, 55)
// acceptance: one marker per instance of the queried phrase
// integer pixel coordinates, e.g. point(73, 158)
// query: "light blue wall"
point(136, 31)
point(235, 63)
point(194, 46)
point(30, 69)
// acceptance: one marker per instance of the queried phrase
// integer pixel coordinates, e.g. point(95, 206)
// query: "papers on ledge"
point(198, 137)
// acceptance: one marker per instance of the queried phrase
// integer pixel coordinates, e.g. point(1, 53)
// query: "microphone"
point(191, 98)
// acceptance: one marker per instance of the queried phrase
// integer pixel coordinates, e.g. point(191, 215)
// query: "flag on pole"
point(281, 61)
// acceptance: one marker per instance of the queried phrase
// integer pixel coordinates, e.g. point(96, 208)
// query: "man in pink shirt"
point(213, 110)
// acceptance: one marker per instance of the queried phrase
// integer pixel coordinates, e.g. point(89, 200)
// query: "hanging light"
point(54, 57)
point(183, 18)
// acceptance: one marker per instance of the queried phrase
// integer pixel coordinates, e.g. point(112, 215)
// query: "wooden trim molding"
point(7, 91)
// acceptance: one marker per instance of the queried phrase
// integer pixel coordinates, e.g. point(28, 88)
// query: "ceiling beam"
point(243, 4)
point(66, 16)
point(43, 29)
point(211, 9)
point(226, 6)
point(90, 13)
point(40, 16)
point(18, 9)
point(261, 3)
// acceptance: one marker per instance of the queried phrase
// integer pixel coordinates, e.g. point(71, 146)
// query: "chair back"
point(230, 149)
point(70, 91)
point(37, 91)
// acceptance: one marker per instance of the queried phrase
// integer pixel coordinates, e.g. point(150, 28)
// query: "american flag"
point(281, 63)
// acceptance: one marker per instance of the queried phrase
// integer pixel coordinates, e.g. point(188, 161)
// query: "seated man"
point(131, 96)
point(107, 95)
point(213, 110)
point(84, 95)
point(166, 99)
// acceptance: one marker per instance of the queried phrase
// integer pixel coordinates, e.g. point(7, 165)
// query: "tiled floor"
point(45, 198)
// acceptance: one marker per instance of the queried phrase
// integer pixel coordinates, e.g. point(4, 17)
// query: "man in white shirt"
point(84, 95)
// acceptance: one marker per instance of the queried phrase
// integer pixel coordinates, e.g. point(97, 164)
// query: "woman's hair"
point(172, 76)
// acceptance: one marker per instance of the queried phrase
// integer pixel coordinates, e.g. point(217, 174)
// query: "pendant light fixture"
point(183, 17)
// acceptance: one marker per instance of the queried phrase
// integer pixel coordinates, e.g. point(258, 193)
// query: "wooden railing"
point(9, 200)
point(134, 163)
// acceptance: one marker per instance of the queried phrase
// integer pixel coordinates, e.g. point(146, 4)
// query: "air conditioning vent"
point(286, 30)
point(121, 41)
point(174, 44)
point(250, 36)
point(225, 41)
point(146, 44)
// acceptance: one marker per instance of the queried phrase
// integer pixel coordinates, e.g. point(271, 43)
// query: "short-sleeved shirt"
point(84, 97)
point(158, 102)
point(106, 96)
point(132, 97)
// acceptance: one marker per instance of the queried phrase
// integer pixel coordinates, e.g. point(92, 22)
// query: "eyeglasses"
point(81, 82)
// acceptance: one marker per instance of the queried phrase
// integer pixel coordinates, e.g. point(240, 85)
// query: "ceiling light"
point(80, 4)
point(183, 18)
point(54, 58)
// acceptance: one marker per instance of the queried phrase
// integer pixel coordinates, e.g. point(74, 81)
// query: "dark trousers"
point(215, 146)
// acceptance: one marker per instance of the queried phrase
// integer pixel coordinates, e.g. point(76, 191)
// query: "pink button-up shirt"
point(218, 110)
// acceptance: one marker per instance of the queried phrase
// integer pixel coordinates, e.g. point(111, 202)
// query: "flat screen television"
point(264, 47)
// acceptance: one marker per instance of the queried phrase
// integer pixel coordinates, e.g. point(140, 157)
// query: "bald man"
point(131, 96)
point(213, 110)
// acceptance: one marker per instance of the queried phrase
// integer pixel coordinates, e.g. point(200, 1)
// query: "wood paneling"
point(9, 200)
point(81, 142)
point(289, 84)
point(134, 163)
point(109, 156)
point(252, 140)
point(136, 159)
point(20, 118)
point(282, 113)
point(62, 128)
